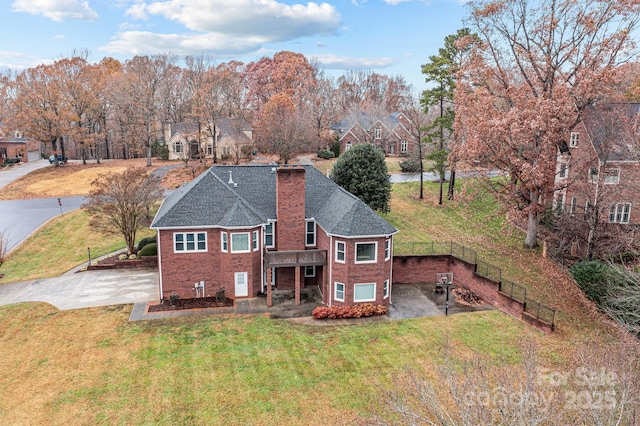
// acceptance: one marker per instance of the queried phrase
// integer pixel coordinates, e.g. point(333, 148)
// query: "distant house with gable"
point(391, 133)
point(249, 229)
point(232, 138)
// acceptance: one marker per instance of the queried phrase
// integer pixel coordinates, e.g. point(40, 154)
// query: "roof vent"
point(231, 182)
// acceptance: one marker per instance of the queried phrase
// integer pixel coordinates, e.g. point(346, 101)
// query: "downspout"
point(330, 262)
point(159, 263)
point(264, 267)
point(390, 266)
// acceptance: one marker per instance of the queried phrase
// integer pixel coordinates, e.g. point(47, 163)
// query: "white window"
point(620, 213)
point(190, 241)
point(572, 209)
point(310, 271)
point(269, 240)
point(341, 251)
point(240, 242)
point(339, 292)
point(563, 171)
point(254, 240)
point(177, 147)
point(364, 292)
point(611, 176)
point(347, 147)
point(209, 149)
point(224, 242)
point(366, 252)
point(378, 134)
point(311, 233)
point(403, 146)
point(559, 203)
point(593, 174)
point(385, 289)
point(387, 249)
point(573, 140)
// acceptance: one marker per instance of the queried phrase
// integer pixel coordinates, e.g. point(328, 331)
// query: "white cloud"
point(145, 42)
point(217, 26)
point(57, 10)
point(329, 61)
point(396, 2)
point(19, 61)
point(137, 11)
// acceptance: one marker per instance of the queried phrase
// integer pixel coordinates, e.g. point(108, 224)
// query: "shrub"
point(410, 165)
point(148, 250)
point(335, 147)
point(326, 154)
point(349, 311)
point(123, 256)
point(132, 257)
point(143, 242)
point(592, 277)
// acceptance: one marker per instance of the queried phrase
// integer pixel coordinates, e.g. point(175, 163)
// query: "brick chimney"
point(290, 207)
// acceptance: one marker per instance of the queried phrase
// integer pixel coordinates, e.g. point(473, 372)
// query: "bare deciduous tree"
point(121, 203)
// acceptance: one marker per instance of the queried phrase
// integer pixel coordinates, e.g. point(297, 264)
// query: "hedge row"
point(349, 311)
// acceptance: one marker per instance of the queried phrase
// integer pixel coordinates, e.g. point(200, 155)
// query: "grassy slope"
point(92, 366)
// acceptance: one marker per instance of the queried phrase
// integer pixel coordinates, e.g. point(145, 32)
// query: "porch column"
point(268, 283)
point(297, 285)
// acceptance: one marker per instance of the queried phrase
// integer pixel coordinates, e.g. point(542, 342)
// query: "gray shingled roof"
point(211, 201)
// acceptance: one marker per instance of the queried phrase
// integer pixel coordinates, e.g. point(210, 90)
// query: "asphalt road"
point(20, 218)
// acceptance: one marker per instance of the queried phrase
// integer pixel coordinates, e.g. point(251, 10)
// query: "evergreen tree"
point(363, 172)
point(440, 72)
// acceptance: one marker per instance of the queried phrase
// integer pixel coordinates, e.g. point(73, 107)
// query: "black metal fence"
point(514, 291)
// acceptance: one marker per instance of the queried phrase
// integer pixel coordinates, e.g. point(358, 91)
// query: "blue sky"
point(391, 37)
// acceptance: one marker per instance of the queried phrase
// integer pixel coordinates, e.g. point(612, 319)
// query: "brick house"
point(599, 165)
point(233, 138)
point(250, 228)
point(390, 133)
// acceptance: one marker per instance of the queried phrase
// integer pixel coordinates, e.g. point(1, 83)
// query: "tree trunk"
point(452, 183)
point(531, 240)
point(441, 186)
point(421, 170)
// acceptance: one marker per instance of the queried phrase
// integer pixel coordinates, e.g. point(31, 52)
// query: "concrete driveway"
point(86, 289)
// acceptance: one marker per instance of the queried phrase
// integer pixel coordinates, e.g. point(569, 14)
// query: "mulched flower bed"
point(198, 303)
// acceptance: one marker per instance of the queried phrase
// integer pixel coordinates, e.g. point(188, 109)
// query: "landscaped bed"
point(196, 303)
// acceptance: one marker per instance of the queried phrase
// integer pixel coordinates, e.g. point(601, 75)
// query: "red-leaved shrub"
point(349, 311)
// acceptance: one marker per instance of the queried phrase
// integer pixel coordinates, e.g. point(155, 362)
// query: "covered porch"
point(291, 259)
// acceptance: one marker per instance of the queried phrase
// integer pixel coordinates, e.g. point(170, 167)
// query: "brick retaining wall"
point(423, 268)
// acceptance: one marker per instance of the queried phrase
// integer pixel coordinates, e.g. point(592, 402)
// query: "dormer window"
point(573, 140)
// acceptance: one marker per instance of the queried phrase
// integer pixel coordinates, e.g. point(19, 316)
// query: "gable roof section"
point(250, 200)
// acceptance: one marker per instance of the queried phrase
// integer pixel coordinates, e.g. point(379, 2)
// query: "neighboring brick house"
point(241, 227)
point(599, 165)
point(391, 133)
point(17, 148)
point(233, 138)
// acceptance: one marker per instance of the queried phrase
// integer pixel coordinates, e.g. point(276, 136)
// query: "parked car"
point(61, 158)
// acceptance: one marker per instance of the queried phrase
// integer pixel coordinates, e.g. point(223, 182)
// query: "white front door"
point(242, 285)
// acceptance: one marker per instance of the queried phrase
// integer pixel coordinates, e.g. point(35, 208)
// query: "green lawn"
point(91, 366)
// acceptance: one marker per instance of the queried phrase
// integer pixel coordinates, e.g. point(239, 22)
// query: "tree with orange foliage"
point(282, 129)
point(522, 89)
